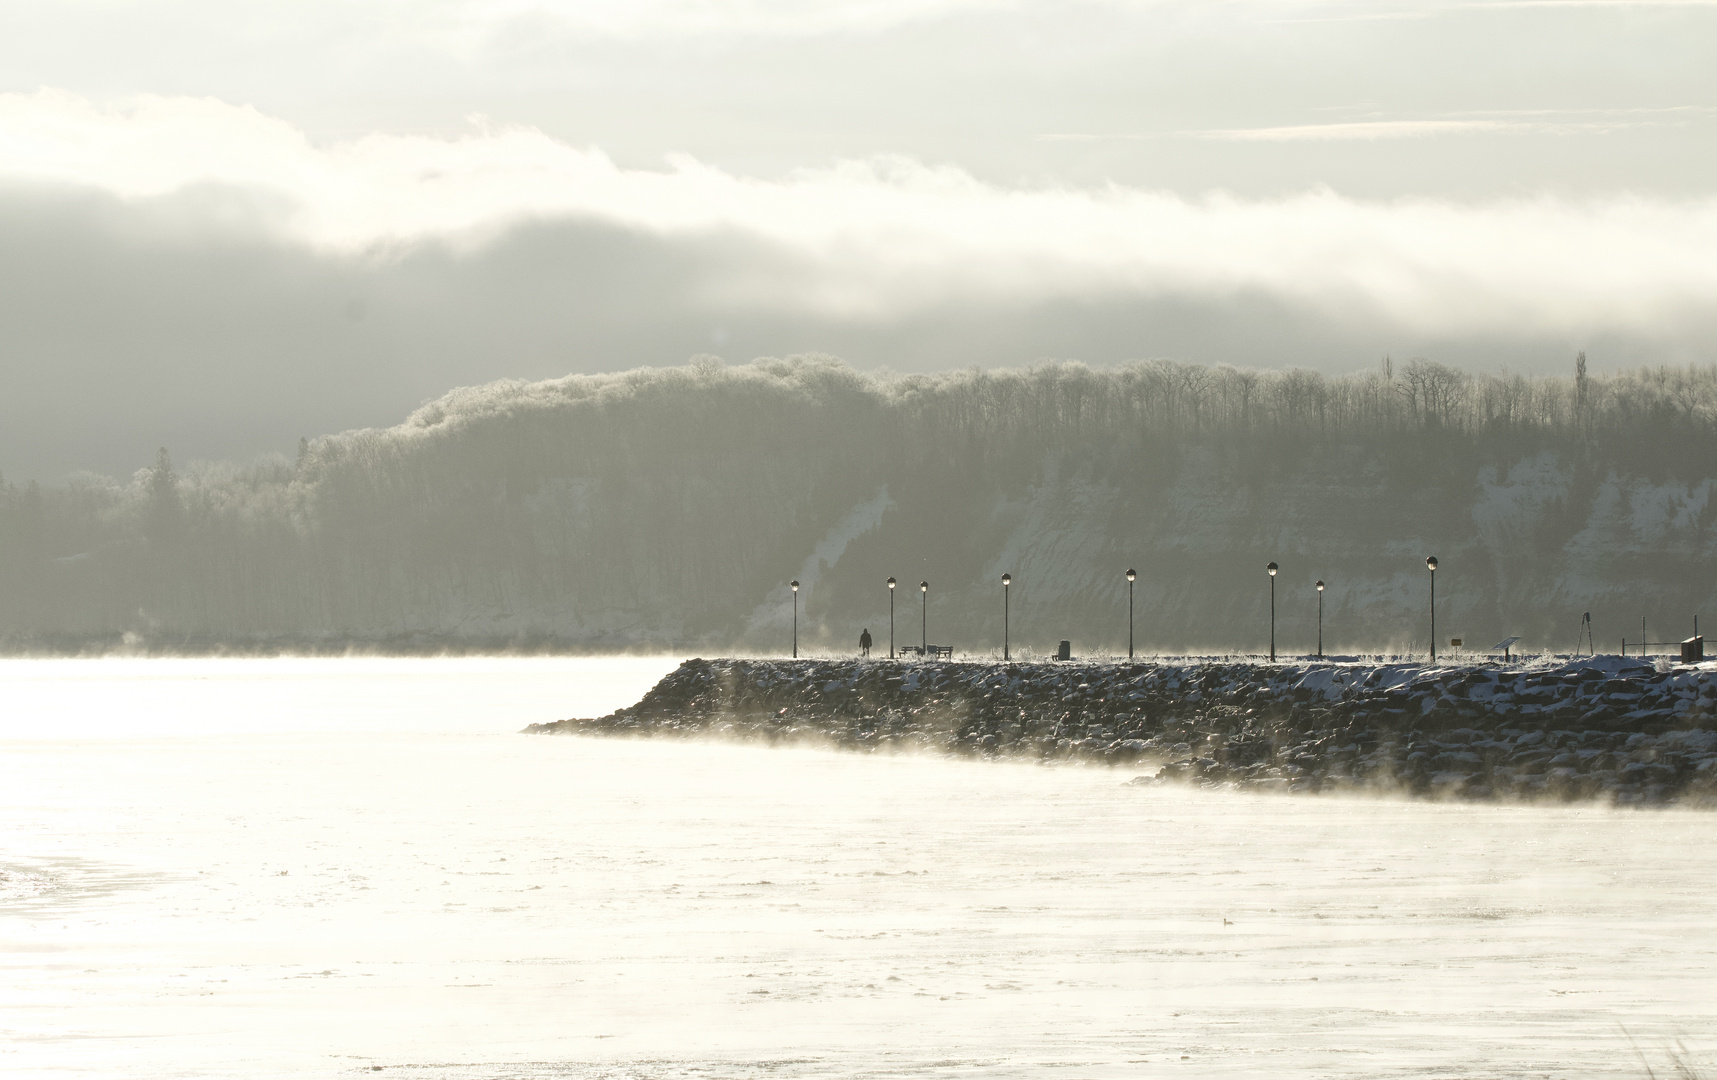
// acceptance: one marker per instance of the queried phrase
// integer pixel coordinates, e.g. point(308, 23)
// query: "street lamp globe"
point(1007, 579)
point(795, 585)
point(1272, 569)
point(1131, 575)
point(1320, 586)
point(1431, 562)
point(891, 583)
point(923, 586)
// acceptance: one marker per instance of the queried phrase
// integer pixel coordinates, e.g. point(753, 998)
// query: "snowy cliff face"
point(670, 509)
point(1525, 547)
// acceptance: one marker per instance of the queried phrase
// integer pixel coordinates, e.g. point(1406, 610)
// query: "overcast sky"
point(223, 225)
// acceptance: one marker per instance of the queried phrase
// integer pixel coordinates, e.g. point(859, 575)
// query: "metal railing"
point(1643, 648)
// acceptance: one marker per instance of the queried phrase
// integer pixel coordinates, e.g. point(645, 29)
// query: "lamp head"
point(1007, 579)
point(891, 583)
point(1131, 575)
point(795, 585)
point(1272, 569)
point(1320, 586)
point(1431, 563)
point(923, 586)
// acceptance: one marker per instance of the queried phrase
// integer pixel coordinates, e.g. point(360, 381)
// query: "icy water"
point(325, 868)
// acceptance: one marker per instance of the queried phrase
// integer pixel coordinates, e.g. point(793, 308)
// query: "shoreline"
point(1624, 730)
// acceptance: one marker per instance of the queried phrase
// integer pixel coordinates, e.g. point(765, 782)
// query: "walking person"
point(864, 642)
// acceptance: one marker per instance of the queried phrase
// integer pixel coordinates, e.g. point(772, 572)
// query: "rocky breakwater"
point(1604, 727)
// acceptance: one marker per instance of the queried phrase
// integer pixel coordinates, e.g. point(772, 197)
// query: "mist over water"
point(379, 382)
point(311, 868)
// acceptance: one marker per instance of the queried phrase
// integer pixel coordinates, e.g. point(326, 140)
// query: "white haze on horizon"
point(890, 235)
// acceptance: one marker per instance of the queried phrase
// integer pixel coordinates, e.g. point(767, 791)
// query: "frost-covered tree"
point(667, 507)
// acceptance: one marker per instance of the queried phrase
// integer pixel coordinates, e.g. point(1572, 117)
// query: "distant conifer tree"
point(164, 511)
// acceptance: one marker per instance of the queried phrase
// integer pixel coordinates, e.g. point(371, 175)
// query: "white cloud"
point(774, 17)
point(881, 237)
point(795, 18)
point(1361, 129)
point(1515, 121)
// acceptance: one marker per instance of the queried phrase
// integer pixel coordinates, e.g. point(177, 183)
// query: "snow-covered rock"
point(1585, 727)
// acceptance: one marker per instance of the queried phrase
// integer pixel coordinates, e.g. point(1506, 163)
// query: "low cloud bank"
point(191, 273)
point(889, 236)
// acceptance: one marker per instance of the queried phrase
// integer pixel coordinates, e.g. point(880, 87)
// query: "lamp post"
point(924, 619)
point(1272, 569)
point(1007, 579)
point(1431, 565)
point(1130, 576)
point(891, 618)
point(1320, 620)
point(795, 620)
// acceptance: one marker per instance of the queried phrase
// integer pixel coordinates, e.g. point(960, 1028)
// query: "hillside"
point(668, 508)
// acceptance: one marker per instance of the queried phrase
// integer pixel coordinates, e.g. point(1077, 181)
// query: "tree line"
point(665, 506)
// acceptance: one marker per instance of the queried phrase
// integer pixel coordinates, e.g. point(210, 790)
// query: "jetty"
point(1624, 730)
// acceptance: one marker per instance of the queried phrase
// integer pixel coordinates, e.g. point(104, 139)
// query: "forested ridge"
point(668, 508)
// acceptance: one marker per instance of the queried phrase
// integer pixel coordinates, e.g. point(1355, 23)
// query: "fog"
point(312, 868)
point(668, 509)
point(224, 227)
point(182, 321)
point(196, 271)
point(378, 379)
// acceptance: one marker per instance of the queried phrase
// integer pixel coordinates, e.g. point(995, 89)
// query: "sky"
point(226, 225)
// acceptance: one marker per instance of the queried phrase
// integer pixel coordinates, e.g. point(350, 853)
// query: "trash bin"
point(1693, 650)
point(1065, 652)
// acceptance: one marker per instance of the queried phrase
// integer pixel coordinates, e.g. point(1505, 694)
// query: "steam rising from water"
point(310, 893)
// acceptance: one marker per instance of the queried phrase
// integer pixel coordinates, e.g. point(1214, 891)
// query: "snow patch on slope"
point(1062, 538)
point(1508, 509)
point(776, 608)
point(1639, 517)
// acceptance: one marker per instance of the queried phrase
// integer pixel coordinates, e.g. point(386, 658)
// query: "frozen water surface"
point(316, 868)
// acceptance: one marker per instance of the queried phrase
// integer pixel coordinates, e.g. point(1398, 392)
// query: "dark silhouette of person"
point(864, 642)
